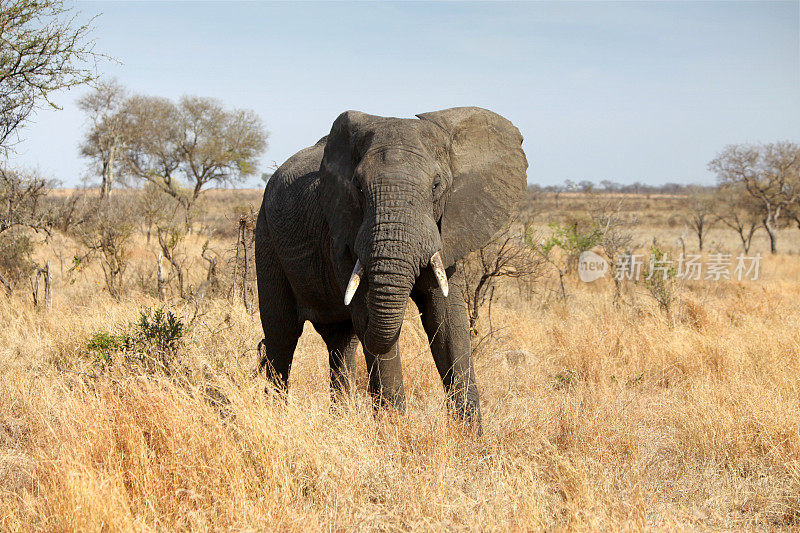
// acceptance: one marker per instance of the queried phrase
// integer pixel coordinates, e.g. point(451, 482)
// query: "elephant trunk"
point(391, 272)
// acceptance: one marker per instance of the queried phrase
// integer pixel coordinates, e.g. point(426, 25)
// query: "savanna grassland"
point(598, 414)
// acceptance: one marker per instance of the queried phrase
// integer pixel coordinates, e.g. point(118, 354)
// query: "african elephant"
point(379, 210)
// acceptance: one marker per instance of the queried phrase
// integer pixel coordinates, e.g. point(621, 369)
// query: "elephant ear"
point(488, 168)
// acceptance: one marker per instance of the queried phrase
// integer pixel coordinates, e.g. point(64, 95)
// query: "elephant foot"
point(469, 418)
point(391, 402)
point(465, 407)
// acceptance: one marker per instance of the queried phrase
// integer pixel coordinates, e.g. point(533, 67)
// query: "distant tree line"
point(608, 186)
point(758, 187)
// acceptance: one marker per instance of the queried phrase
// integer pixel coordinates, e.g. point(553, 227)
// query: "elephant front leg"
point(277, 361)
point(341, 342)
point(386, 379)
point(343, 374)
point(447, 327)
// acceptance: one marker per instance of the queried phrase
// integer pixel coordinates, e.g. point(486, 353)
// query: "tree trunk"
point(745, 244)
point(35, 290)
point(700, 227)
point(48, 287)
point(772, 236)
point(491, 300)
point(232, 294)
point(162, 286)
point(108, 179)
point(747, 240)
point(103, 178)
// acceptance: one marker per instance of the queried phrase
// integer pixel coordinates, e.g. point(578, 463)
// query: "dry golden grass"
point(607, 418)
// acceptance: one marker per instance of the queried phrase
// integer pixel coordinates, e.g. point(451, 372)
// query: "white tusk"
point(352, 285)
point(438, 270)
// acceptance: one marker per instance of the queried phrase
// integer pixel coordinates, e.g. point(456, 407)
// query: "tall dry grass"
point(596, 416)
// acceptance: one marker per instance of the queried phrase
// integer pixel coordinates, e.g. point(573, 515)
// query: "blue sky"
point(623, 91)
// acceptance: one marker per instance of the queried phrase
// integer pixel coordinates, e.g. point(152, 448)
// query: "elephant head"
point(402, 195)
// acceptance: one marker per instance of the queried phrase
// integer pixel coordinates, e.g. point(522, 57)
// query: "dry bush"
point(699, 213)
point(66, 213)
point(171, 230)
point(16, 258)
point(107, 234)
point(740, 212)
point(242, 262)
point(615, 230)
point(22, 195)
point(508, 256)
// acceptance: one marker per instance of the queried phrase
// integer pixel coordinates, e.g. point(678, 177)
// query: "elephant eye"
point(357, 185)
point(436, 184)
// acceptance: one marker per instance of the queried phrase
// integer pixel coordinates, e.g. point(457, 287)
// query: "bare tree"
point(507, 255)
point(65, 213)
point(616, 238)
point(42, 50)
point(105, 138)
point(21, 199)
point(739, 211)
point(556, 190)
point(768, 172)
point(171, 229)
point(21, 195)
point(152, 203)
point(244, 255)
point(212, 258)
point(16, 258)
point(700, 215)
point(107, 234)
point(45, 275)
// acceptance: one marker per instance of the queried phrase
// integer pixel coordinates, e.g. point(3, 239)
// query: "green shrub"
point(163, 332)
point(154, 339)
point(662, 285)
point(103, 345)
point(572, 240)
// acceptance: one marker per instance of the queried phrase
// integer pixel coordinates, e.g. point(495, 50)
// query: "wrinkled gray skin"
point(390, 192)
